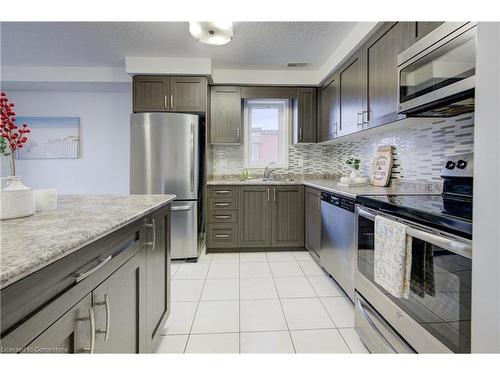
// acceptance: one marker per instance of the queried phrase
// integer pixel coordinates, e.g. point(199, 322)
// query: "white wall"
point(103, 167)
point(486, 217)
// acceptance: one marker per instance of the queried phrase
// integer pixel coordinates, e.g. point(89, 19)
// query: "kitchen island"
point(91, 276)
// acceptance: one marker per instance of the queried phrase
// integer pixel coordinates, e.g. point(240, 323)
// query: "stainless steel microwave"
point(437, 73)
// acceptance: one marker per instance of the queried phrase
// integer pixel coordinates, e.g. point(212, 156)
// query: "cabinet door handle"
point(300, 135)
point(238, 131)
point(108, 316)
point(165, 104)
point(81, 276)
point(360, 118)
point(268, 197)
point(222, 204)
point(153, 227)
point(91, 318)
point(365, 113)
point(223, 217)
point(221, 192)
point(222, 236)
point(171, 102)
point(335, 127)
point(274, 195)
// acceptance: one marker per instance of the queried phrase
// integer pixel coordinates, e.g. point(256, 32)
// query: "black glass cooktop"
point(449, 213)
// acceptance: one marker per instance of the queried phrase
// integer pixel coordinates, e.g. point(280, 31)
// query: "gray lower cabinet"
point(254, 216)
point(313, 219)
point(287, 216)
point(306, 124)
point(225, 115)
point(71, 333)
point(382, 81)
point(352, 94)
point(158, 255)
point(120, 308)
point(329, 110)
point(112, 296)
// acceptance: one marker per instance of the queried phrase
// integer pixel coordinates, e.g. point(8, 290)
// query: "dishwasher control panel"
point(339, 201)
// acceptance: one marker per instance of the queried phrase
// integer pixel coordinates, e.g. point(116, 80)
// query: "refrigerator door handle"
point(192, 157)
point(180, 208)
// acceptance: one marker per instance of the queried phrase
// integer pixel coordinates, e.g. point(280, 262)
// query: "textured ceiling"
point(256, 45)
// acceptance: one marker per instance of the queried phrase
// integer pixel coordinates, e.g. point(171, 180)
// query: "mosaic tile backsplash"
point(419, 151)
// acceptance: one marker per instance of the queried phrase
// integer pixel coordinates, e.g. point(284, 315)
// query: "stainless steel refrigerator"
point(164, 158)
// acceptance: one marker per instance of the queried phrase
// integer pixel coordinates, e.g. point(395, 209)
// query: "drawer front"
point(222, 191)
point(218, 204)
point(222, 235)
point(223, 217)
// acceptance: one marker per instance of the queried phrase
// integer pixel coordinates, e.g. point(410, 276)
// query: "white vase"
point(16, 199)
point(354, 174)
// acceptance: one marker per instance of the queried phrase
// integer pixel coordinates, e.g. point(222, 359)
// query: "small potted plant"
point(16, 199)
point(354, 164)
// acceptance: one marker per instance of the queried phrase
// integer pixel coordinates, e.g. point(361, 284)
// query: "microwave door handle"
point(452, 245)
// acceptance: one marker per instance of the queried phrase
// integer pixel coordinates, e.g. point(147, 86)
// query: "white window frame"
point(283, 130)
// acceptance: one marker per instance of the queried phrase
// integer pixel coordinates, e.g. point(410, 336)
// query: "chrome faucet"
point(268, 171)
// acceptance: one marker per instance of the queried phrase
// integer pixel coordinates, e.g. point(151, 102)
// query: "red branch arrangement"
point(15, 137)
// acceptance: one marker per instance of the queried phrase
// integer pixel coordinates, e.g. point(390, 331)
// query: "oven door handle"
point(459, 248)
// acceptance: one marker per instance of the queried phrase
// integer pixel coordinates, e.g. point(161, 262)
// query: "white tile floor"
point(277, 302)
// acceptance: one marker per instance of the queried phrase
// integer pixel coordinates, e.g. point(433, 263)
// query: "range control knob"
point(461, 164)
point(450, 164)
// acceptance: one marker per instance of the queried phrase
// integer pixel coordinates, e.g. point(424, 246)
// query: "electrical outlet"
point(222, 163)
point(301, 162)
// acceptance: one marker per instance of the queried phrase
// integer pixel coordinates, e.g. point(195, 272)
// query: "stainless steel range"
point(436, 316)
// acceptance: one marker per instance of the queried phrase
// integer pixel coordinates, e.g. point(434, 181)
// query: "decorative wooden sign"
point(382, 165)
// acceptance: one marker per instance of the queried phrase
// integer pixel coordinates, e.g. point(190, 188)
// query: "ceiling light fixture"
point(214, 33)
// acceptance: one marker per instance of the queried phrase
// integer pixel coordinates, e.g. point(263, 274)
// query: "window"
point(267, 124)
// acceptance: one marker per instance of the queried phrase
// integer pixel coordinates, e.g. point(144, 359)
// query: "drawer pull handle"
point(222, 217)
point(81, 276)
point(221, 192)
point(222, 204)
point(222, 236)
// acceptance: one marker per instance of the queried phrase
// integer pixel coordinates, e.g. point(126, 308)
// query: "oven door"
point(437, 315)
point(437, 72)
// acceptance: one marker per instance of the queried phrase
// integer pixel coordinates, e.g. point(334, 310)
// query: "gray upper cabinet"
point(71, 333)
point(288, 216)
point(306, 123)
point(254, 216)
point(352, 94)
point(421, 28)
point(382, 80)
point(225, 115)
point(313, 219)
point(151, 94)
point(120, 309)
point(158, 255)
point(164, 94)
point(329, 110)
point(188, 94)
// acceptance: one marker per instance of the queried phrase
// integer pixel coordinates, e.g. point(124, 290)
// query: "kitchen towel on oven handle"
point(392, 257)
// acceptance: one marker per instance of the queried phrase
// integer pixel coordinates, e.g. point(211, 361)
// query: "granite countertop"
point(351, 192)
point(31, 243)
point(255, 181)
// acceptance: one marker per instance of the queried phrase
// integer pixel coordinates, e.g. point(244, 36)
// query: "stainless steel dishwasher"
point(338, 250)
